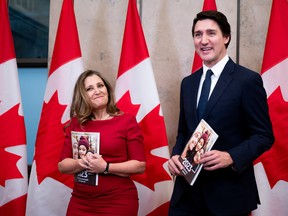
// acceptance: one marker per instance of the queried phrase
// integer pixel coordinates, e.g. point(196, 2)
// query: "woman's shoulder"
point(127, 117)
point(74, 121)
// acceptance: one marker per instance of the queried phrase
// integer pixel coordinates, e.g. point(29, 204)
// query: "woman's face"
point(197, 156)
point(200, 144)
point(82, 151)
point(96, 91)
point(194, 140)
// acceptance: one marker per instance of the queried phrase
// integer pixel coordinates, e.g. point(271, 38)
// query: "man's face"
point(209, 42)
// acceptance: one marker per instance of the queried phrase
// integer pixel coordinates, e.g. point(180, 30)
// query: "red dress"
point(120, 140)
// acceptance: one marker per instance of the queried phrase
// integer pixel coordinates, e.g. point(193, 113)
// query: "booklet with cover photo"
point(201, 141)
point(84, 143)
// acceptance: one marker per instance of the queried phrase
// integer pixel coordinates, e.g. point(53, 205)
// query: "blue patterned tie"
point(204, 94)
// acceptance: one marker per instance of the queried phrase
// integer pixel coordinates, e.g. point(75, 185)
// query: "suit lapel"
point(195, 88)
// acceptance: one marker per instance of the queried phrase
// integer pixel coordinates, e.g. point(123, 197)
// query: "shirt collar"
point(218, 68)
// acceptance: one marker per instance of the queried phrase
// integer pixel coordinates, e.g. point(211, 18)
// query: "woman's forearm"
point(70, 166)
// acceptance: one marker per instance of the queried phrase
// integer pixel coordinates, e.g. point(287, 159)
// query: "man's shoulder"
point(194, 75)
point(239, 70)
point(244, 68)
point(245, 72)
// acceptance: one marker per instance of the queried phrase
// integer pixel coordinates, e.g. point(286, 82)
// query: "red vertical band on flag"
point(13, 155)
point(134, 49)
point(6, 43)
point(66, 47)
point(209, 5)
point(277, 33)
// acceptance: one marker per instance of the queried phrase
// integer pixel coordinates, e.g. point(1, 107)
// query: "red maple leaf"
point(126, 105)
point(49, 142)
point(13, 133)
point(276, 159)
point(153, 129)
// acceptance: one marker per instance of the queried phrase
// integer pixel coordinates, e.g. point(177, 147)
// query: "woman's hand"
point(72, 166)
point(95, 163)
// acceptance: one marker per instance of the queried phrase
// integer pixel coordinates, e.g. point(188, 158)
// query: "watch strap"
point(106, 171)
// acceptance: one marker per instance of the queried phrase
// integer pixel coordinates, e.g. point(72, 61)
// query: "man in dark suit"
point(238, 112)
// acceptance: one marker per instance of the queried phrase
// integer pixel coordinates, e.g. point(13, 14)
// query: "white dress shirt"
point(217, 70)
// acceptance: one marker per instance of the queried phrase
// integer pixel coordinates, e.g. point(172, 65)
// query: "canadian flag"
point(197, 62)
point(136, 93)
point(271, 168)
point(49, 191)
point(13, 154)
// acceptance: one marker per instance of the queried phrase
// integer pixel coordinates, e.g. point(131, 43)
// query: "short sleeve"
point(67, 147)
point(135, 141)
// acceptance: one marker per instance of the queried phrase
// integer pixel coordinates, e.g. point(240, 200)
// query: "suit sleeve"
point(182, 126)
point(256, 113)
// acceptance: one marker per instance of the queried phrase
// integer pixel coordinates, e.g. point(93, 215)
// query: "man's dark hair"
point(219, 18)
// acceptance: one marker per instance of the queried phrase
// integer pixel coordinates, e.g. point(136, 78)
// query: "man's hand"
point(213, 160)
point(175, 166)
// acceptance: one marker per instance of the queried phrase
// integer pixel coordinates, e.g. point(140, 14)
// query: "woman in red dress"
point(93, 109)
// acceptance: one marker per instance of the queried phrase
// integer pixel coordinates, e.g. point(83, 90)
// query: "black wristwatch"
point(106, 171)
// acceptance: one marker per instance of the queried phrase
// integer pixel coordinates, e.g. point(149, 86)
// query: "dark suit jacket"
point(237, 110)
